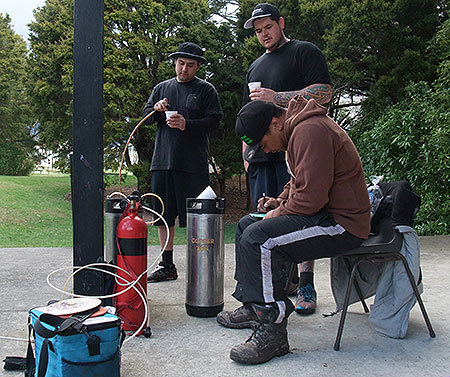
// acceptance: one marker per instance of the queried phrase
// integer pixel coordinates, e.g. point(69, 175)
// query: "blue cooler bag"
point(81, 345)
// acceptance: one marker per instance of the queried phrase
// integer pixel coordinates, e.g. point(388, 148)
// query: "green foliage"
point(251, 51)
point(374, 48)
point(12, 58)
point(225, 72)
point(50, 71)
point(411, 142)
point(138, 40)
point(112, 179)
point(134, 51)
point(138, 37)
point(17, 153)
point(433, 217)
point(440, 46)
point(15, 160)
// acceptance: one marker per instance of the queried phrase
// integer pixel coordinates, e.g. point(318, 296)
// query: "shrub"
point(15, 160)
point(411, 141)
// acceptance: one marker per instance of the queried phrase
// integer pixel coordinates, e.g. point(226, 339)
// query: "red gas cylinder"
point(132, 235)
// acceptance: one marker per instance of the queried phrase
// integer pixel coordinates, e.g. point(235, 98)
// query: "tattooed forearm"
point(320, 92)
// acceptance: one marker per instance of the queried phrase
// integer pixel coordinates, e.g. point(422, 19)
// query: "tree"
point(440, 47)
point(17, 153)
point(225, 72)
point(374, 49)
point(411, 141)
point(50, 67)
point(138, 40)
point(139, 36)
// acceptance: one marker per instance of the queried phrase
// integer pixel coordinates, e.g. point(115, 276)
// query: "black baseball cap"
point(260, 11)
point(253, 120)
point(189, 50)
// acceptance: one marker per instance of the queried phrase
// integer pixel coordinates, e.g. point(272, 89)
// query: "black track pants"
point(263, 246)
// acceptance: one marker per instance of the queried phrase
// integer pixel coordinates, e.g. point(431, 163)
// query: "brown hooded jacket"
point(326, 170)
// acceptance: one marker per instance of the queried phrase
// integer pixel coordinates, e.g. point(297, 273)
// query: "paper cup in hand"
point(207, 193)
point(253, 85)
point(170, 113)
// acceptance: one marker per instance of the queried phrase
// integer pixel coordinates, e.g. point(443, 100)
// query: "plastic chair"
point(384, 245)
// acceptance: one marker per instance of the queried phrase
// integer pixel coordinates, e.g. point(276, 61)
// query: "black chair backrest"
point(384, 238)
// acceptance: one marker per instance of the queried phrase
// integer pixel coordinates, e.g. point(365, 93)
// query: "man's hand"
point(161, 105)
point(263, 94)
point(269, 215)
point(266, 204)
point(176, 121)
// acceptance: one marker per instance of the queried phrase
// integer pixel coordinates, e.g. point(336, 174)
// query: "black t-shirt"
point(293, 66)
point(198, 102)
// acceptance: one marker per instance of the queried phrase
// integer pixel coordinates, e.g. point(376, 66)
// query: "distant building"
point(47, 160)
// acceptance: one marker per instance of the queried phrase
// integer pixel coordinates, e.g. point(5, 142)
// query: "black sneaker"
point(242, 317)
point(267, 341)
point(162, 273)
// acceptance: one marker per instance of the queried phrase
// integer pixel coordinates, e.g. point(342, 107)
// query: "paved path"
point(189, 346)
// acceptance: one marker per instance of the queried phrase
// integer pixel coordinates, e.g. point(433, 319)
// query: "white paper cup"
point(207, 193)
point(253, 85)
point(170, 113)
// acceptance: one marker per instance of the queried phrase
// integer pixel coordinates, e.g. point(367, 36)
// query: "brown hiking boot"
point(267, 341)
point(242, 317)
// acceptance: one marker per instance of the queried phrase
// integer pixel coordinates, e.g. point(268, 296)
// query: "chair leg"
point(357, 288)
point(417, 294)
point(345, 307)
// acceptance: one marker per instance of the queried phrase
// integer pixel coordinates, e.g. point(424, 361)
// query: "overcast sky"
point(21, 13)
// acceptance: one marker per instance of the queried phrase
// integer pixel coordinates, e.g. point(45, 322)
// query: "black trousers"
point(174, 187)
point(263, 247)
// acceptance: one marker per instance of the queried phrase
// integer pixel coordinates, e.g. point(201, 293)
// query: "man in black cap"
point(323, 211)
point(286, 69)
point(180, 159)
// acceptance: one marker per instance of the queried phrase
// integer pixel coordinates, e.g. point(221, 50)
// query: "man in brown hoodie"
point(323, 211)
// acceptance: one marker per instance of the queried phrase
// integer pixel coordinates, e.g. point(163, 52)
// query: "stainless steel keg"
point(205, 256)
point(113, 211)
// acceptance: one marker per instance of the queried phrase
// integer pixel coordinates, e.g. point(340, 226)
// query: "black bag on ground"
point(400, 203)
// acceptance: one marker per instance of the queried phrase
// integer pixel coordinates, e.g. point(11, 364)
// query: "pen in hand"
point(263, 205)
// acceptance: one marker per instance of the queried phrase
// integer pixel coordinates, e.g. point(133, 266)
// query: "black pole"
point(87, 158)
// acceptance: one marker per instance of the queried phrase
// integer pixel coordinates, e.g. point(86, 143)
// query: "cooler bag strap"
point(31, 362)
point(41, 330)
point(43, 358)
point(123, 335)
point(60, 324)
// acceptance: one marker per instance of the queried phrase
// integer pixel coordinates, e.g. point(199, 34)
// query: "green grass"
point(34, 213)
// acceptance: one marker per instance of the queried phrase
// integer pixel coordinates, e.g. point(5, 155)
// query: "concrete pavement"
point(187, 346)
